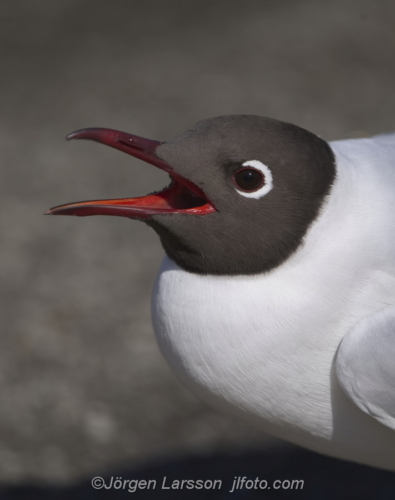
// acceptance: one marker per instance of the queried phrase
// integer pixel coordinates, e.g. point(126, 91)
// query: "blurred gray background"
point(83, 386)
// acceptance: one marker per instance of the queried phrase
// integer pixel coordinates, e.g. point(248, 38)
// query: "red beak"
point(181, 197)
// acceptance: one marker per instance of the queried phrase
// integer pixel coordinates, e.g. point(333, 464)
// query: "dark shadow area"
point(324, 478)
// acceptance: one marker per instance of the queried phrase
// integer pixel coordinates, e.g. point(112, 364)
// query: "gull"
point(276, 299)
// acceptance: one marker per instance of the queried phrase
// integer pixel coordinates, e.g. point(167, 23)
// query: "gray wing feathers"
point(365, 365)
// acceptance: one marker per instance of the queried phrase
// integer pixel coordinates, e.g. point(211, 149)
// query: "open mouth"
point(182, 196)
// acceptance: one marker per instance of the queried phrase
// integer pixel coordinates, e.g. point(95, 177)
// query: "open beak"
point(182, 196)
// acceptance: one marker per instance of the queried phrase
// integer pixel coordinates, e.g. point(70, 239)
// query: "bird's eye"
point(254, 180)
point(249, 179)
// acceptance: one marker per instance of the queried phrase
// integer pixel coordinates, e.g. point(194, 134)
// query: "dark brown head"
point(244, 191)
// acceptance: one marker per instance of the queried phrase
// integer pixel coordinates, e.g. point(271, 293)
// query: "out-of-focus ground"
point(83, 387)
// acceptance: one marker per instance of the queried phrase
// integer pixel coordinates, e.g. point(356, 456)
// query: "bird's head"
point(244, 190)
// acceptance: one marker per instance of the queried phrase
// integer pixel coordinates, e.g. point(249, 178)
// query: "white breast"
point(264, 345)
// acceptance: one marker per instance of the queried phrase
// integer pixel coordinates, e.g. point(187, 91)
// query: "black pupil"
point(249, 179)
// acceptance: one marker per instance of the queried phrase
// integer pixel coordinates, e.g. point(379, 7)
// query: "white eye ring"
point(268, 185)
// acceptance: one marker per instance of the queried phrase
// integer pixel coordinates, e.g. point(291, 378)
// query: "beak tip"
point(84, 133)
